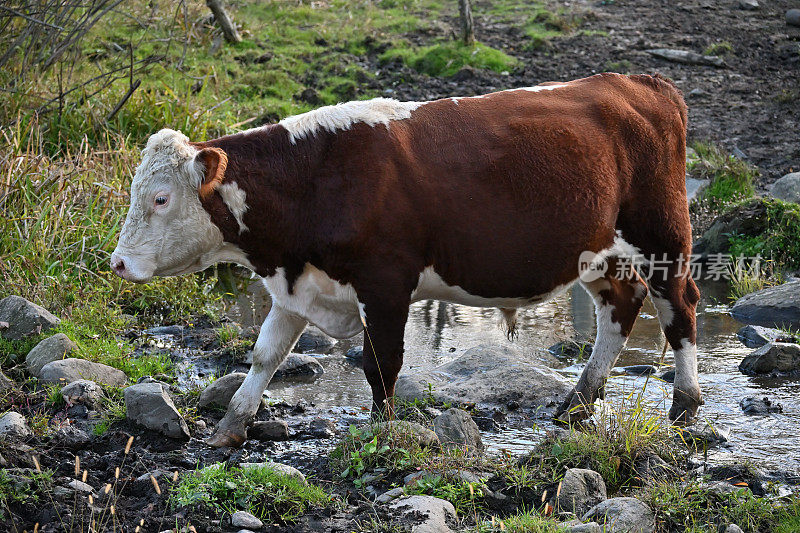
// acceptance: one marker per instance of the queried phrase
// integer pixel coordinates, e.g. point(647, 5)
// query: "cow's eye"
point(161, 200)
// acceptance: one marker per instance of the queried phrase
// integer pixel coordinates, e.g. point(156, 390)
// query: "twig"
point(124, 99)
point(26, 17)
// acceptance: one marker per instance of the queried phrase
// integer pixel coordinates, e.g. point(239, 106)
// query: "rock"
point(23, 318)
point(591, 527)
point(748, 219)
point(83, 392)
point(703, 434)
point(686, 57)
point(668, 376)
point(149, 405)
point(429, 514)
point(653, 467)
point(78, 411)
point(777, 306)
point(627, 515)
point(322, 428)
point(491, 376)
point(164, 330)
point(571, 349)
point(424, 436)
point(298, 365)
point(71, 437)
point(309, 95)
point(720, 489)
point(787, 188)
point(246, 520)
point(314, 340)
point(640, 370)
point(355, 354)
point(748, 5)
point(465, 73)
point(580, 490)
point(279, 468)
point(733, 528)
point(455, 428)
point(5, 383)
point(68, 370)
point(269, 430)
point(759, 406)
point(739, 475)
point(390, 495)
point(220, 392)
point(48, 350)
point(773, 357)
point(80, 486)
point(758, 336)
point(13, 425)
point(793, 17)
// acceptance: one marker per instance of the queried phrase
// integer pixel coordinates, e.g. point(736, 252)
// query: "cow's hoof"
point(575, 409)
point(226, 439)
point(684, 408)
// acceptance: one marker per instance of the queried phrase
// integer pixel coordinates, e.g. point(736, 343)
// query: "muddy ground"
point(750, 106)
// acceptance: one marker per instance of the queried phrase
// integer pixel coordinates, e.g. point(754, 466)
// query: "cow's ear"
point(215, 161)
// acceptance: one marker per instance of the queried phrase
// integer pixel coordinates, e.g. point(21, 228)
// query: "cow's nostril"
point(118, 266)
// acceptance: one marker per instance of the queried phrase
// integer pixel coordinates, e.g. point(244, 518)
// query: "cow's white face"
point(167, 232)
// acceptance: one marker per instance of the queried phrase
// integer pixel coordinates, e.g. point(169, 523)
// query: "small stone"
point(413, 477)
point(68, 370)
point(748, 5)
point(787, 188)
point(314, 340)
point(758, 336)
point(696, 93)
point(424, 436)
point(24, 319)
point(269, 430)
point(668, 376)
point(455, 428)
point(705, 434)
point(48, 350)
point(149, 405)
point(623, 514)
point(165, 330)
point(279, 468)
point(793, 17)
point(355, 354)
point(581, 490)
point(322, 428)
point(246, 520)
point(686, 57)
point(571, 348)
point(298, 365)
point(200, 424)
point(80, 486)
point(71, 437)
point(83, 392)
point(5, 383)
point(591, 527)
point(773, 357)
point(78, 411)
point(220, 392)
point(759, 406)
point(733, 528)
point(640, 370)
point(390, 495)
point(13, 425)
point(430, 514)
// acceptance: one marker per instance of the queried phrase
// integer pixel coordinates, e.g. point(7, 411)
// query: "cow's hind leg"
point(277, 337)
point(618, 299)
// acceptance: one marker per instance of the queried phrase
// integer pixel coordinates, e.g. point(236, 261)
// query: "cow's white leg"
point(278, 335)
point(617, 303)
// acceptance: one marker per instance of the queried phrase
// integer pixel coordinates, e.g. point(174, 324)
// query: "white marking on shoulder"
point(340, 117)
point(236, 201)
point(539, 88)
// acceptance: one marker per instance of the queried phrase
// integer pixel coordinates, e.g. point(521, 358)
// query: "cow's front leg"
point(278, 335)
point(383, 351)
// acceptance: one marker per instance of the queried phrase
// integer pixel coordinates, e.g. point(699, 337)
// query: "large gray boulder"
point(777, 306)
point(427, 514)
point(580, 490)
point(149, 405)
point(455, 428)
point(48, 350)
point(772, 357)
point(68, 370)
point(758, 336)
point(622, 515)
point(13, 425)
point(220, 392)
point(491, 376)
point(20, 318)
point(787, 188)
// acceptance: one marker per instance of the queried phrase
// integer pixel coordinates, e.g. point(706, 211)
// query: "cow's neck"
point(262, 206)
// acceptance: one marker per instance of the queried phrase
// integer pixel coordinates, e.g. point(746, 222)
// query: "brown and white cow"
point(352, 212)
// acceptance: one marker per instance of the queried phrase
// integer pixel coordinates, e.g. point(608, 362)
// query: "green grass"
point(445, 59)
point(27, 486)
point(261, 491)
point(719, 49)
point(731, 179)
point(779, 242)
point(112, 409)
point(689, 506)
point(466, 497)
point(523, 522)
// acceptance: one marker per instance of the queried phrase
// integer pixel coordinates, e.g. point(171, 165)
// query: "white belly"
point(334, 307)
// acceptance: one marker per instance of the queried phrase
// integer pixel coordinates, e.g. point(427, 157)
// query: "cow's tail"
point(666, 87)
